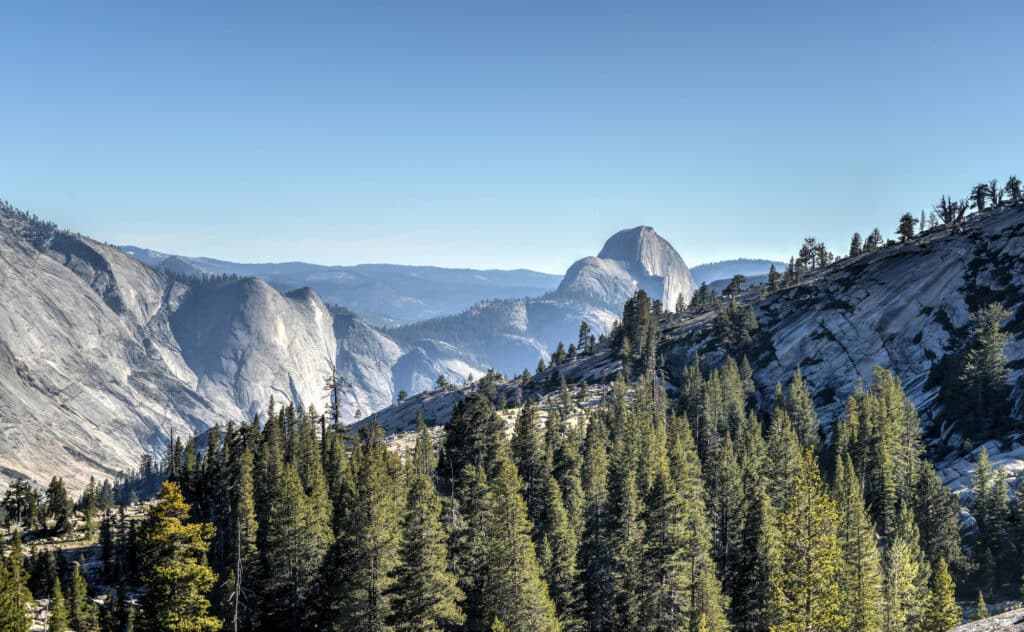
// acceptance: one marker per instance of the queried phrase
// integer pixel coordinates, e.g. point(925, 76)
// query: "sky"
point(501, 134)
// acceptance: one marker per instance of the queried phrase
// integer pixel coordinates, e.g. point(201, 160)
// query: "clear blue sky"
point(501, 134)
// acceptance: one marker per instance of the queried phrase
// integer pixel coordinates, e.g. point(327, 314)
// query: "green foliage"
point(941, 612)
point(976, 390)
point(811, 555)
point(860, 571)
point(57, 619)
point(735, 326)
point(512, 586)
point(363, 563)
point(473, 438)
point(174, 569)
point(906, 576)
point(529, 456)
point(996, 550)
point(758, 601)
point(426, 597)
point(14, 594)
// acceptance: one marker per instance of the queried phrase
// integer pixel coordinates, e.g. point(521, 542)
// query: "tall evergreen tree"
point(512, 588)
point(81, 610)
point(941, 612)
point(906, 576)
point(991, 509)
point(800, 408)
point(174, 569)
point(57, 618)
point(242, 608)
point(426, 597)
point(982, 390)
point(14, 596)
point(811, 555)
point(529, 456)
point(725, 512)
point(860, 570)
point(367, 552)
point(595, 550)
point(758, 599)
point(557, 552)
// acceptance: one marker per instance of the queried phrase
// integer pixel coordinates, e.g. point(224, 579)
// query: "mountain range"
point(106, 355)
point(382, 294)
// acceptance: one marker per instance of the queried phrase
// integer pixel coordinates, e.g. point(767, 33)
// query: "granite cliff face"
point(637, 258)
point(102, 357)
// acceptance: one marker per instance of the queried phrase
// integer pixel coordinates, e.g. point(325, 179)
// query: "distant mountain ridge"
point(725, 270)
point(382, 294)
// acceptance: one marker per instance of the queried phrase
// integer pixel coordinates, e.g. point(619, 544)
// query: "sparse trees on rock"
point(906, 227)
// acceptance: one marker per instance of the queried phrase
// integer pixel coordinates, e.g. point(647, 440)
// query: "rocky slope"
point(1012, 621)
point(904, 307)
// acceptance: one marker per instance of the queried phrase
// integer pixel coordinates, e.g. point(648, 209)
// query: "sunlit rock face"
point(637, 258)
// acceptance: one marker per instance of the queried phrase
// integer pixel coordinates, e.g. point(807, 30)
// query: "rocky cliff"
point(637, 258)
point(104, 356)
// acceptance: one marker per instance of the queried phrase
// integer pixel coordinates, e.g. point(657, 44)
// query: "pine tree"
point(626, 542)
point(426, 597)
point(21, 596)
point(512, 588)
point(174, 569)
point(14, 596)
point(367, 552)
point(937, 511)
point(801, 412)
point(705, 602)
point(758, 599)
point(941, 612)
point(473, 437)
point(725, 512)
point(906, 227)
point(906, 576)
point(424, 459)
point(982, 390)
point(811, 556)
point(59, 506)
point(567, 468)
point(294, 545)
point(783, 459)
point(242, 609)
point(981, 611)
point(81, 611)
point(860, 570)
point(528, 455)
point(557, 550)
point(595, 550)
point(57, 619)
point(856, 246)
point(991, 509)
